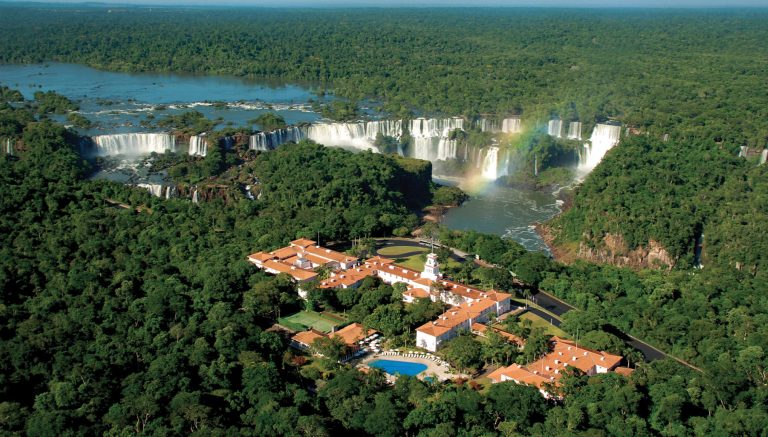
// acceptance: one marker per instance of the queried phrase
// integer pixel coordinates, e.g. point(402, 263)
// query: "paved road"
point(558, 307)
point(551, 303)
point(554, 306)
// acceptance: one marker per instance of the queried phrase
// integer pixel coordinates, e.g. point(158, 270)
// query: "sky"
point(456, 3)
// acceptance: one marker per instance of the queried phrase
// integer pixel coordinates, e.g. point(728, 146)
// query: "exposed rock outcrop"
point(612, 249)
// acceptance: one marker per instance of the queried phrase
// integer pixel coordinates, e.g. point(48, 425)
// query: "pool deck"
point(442, 372)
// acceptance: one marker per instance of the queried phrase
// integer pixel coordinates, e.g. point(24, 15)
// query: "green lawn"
point(396, 251)
point(304, 320)
point(416, 262)
point(538, 322)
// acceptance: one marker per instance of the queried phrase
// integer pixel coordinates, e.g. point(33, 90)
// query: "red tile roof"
point(302, 242)
point(550, 367)
point(353, 333)
point(307, 337)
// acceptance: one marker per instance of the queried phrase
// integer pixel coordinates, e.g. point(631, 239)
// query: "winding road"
point(546, 301)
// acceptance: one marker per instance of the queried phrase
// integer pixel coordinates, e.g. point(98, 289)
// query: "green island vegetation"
point(123, 313)
point(269, 121)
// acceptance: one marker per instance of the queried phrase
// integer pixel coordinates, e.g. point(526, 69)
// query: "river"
point(118, 103)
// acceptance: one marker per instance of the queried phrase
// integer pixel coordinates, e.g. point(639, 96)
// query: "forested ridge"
point(687, 73)
point(677, 194)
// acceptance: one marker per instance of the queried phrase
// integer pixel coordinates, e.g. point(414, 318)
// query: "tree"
point(536, 345)
point(498, 350)
point(515, 403)
point(332, 348)
point(464, 352)
point(269, 121)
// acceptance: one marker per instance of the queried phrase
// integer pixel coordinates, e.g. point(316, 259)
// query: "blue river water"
point(118, 102)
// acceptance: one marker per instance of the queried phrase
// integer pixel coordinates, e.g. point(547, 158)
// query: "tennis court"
point(304, 320)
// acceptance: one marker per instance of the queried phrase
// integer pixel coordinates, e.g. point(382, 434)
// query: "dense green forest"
point(146, 318)
point(677, 194)
point(121, 313)
point(688, 73)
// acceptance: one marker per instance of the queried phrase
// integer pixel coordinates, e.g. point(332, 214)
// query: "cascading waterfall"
point(154, 189)
point(195, 196)
point(478, 160)
point(358, 135)
point(228, 142)
point(604, 138)
point(388, 128)
point(574, 130)
point(340, 134)
point(511, 125)
point(488, 125)
point(763, 156)
point(491, 163)
point(265, 141)
point(198, 145)
point(133, 144)
point(170, 192)
point(555, 128)
point(8, 147)
point(431, 137)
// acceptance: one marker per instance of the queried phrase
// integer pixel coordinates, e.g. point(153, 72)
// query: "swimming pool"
point(399, 367)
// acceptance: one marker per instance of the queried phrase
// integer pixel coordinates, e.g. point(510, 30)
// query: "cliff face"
point(612, 249)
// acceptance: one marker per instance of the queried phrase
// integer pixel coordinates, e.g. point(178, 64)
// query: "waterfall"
point(511, 125)
point(133, 144)
point(574, 130)
point(8, 147)
point(341, 135)
point(430, 138)
point(154, 189)
point(388, 128)
point(743, 151)
point(446, 149)
point(170, 191)
point(198, 145)
point(555, 128)
point(358, 135)
point(491, 164)
point(508, 125)
point(504, 170)
point(763, 156)
point(488, 125)
point(228, 142)
point(604, 137)
point(265, 141)
point(195, 196)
